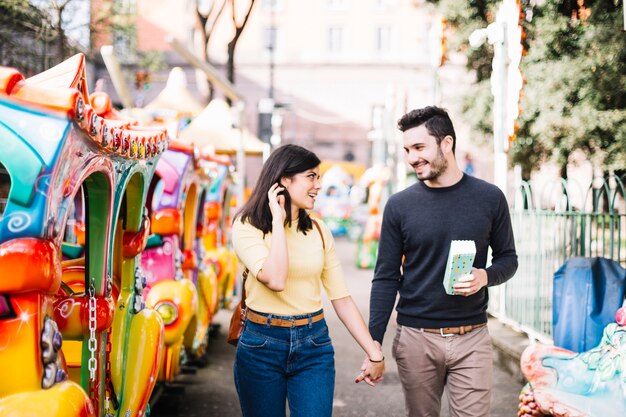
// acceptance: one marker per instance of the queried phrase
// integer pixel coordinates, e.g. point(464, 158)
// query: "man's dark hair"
point(285, 161)
point(435, 119)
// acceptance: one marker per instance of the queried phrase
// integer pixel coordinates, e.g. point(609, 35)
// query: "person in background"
point(469, 164)
point(441, 340)
point(285, 352)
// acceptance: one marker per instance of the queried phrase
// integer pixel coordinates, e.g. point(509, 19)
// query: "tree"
point(67, 16)
point(37, 34)
point(206, 18)
point(463, 17)
point(575, 70)
point(230, 71)
point(25, 37)
point(575, 99)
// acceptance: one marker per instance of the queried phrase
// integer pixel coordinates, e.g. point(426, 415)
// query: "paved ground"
point(211, 392)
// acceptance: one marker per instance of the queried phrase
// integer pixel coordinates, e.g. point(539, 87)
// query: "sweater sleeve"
point(249, 245)
point(387, 274)
point(504, 259)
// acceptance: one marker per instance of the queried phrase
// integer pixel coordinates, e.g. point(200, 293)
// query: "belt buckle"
point(293, 322)
point(445, 334)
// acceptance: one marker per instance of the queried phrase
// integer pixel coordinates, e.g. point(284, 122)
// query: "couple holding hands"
point(285, 354)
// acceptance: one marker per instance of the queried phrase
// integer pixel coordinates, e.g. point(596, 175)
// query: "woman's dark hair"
point(285, 161)
point(435, 119)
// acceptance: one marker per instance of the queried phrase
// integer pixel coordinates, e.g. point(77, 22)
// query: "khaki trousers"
point(427, 362)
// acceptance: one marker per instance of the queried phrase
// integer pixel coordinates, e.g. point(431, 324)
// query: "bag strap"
point(317, 226)
point(243, 288)
point(247, 271)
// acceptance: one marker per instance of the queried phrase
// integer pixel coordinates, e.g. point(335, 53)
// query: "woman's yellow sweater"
point(309, 265)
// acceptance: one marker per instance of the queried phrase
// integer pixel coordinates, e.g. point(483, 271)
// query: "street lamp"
point(269, 121)
point(505, 35)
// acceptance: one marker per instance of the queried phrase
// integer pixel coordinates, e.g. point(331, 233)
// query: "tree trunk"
point(230, 67)
point(60, 34)
point(206, 23)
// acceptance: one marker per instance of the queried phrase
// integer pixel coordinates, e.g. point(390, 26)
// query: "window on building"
point(383, 39)
point(122, 44)
point(335, 39)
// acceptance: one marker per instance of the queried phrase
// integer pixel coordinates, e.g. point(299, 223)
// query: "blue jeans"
point(274, 365)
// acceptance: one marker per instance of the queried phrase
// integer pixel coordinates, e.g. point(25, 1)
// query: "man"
point(441, 340)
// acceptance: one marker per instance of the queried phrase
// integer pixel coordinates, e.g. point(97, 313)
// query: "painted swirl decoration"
point(18, 222)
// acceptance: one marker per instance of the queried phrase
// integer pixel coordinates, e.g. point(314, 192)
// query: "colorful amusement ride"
point(113, 250)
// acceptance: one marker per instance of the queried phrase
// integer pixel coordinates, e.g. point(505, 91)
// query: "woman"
point(285, 352)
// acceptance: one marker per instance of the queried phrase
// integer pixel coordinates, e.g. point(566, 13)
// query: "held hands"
point(372, 369)
point(472, 283)
point(277, 203)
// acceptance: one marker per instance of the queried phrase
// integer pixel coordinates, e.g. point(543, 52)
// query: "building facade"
point(333, 75)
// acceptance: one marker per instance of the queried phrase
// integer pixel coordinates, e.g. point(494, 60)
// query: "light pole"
point(271, 47)
point(506, 81)
point(268, 119)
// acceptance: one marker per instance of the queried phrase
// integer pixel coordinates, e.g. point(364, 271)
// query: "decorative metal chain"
point(92, 364)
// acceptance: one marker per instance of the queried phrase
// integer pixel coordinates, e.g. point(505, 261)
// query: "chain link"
point(92, 364)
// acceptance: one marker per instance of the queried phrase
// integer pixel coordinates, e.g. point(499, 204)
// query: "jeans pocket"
point(321, 338)
point(252, 340)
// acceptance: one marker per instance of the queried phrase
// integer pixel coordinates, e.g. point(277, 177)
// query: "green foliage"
point(465, 16)
point(152, 61)
point(574, 95)
point(477, 105)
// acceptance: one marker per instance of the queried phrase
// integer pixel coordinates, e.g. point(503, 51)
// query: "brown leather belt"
point(448, 331)
point(261, 319)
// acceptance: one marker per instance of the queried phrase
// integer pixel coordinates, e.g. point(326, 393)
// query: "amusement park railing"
point(551, 227)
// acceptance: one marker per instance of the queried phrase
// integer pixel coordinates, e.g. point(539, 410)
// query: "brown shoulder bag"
point(238, 318)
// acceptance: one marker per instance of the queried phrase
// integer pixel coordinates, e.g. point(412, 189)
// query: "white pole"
point(497, 33)
point(499, 88)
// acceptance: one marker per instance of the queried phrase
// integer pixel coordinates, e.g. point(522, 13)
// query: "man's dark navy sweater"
point(418, 224)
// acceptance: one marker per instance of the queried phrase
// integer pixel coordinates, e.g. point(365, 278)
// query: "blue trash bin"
point(587, 293)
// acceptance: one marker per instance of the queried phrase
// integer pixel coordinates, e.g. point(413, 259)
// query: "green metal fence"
point(550, 227)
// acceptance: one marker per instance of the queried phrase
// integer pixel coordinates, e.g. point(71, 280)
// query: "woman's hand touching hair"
point(277, 203)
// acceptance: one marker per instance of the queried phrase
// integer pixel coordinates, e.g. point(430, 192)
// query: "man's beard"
point(437, 167)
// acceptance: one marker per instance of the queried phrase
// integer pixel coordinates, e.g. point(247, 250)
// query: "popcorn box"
point(460, 261)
